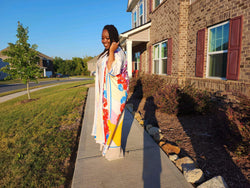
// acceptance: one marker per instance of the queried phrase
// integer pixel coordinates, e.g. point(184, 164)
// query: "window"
point(218, 50)
point(137, 61)
point(141, 13)
point(160, 58)
point(134, 19)
point(157, 3)
point(138, 14)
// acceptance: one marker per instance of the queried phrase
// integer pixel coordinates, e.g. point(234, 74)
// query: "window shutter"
point(169, 59)
point(200, 49)
point(150, 60)
point(234, 47)
point(150, 6)
point(140, 64)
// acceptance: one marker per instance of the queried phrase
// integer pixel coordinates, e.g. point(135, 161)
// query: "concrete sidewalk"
point(144, 165)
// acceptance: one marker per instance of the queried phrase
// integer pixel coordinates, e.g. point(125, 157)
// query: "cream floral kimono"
point(110, 97)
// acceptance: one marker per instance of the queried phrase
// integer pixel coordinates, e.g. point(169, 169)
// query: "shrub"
point(238, 116)
point(192, 100)
point(166, 98)
point(149, 84)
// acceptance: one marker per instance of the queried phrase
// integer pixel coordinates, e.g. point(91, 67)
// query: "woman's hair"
point(113, 35)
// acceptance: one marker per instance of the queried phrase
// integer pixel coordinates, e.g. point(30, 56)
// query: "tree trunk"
point(28, 90)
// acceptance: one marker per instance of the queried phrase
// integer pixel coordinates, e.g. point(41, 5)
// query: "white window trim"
point(143, 13)
point(211, 53)
point(138, 62)
point(158, 5)
point(134, 23)
point(160, 58)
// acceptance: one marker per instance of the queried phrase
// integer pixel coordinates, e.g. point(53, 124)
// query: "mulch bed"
point(201, 138)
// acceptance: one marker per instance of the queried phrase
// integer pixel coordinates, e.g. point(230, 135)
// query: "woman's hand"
point(112, 50)
point(113, 47)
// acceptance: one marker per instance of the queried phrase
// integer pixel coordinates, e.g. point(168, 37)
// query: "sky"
point(63, 28)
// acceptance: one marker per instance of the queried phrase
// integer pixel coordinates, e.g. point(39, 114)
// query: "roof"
point(41, 55)
point(131, 5)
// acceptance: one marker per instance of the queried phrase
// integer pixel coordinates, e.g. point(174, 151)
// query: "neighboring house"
point(2, 74)
point(45, 63)
point(92, 65)
point(204, 43)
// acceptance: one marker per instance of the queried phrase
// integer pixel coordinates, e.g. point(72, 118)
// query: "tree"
point(79, 70)
point(22, 58)
point(57, 62)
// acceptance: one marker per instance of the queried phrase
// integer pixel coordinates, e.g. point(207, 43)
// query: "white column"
point(44, 72)
point(129, 57)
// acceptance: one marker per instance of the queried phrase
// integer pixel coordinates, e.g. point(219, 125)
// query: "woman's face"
point(105, 39)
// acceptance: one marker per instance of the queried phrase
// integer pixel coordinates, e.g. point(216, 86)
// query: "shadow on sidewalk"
point(137, 94)
point(151, 155)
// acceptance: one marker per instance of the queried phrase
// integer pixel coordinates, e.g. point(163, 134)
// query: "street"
point(11, 87)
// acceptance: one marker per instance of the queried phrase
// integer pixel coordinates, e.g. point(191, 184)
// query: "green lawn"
point(37, 137)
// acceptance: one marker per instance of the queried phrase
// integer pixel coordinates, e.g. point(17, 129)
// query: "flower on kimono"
point(123, 99)
point(105, 102)
point(105, 114)
point(125, 86)
point(122, 107)
point(120, 87)
point(105, 93)
point(104, 76)
point(118, 117)
point(120, 79)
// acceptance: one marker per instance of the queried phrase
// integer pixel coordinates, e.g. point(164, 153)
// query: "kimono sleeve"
point(118, 63)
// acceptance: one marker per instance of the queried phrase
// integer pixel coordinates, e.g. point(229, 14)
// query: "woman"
point(111, 86)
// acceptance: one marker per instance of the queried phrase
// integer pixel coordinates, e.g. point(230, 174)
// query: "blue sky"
point(63, 28)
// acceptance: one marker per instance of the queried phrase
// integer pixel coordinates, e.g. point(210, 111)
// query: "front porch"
point(134, 42)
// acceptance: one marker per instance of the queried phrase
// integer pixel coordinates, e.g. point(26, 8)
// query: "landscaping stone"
point(173, 157)
point(158, 136)
point(194, 176)
point(217, 182)
point(154, 130)
point(148, 126)
point(187, 162)
point(169, 148)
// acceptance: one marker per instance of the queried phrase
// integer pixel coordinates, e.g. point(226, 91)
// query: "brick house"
point(45, 63)
point(204, 43)
point(2, 74)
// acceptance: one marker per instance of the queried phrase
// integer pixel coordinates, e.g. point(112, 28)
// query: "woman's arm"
point(111, 57)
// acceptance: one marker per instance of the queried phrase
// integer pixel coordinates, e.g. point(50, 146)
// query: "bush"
point(192, 100)
point(149, 84)
point(166, 98)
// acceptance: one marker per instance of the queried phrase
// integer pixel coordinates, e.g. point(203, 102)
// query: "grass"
point(37, 137)
point(24, 89)
point(5, 82)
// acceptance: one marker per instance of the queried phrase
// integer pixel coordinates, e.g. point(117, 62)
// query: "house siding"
point(162, 29)
point(180, 20)
point(2, 74)
point(203, 14)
